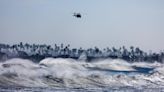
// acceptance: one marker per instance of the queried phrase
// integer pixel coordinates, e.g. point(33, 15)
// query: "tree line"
point(40, 51)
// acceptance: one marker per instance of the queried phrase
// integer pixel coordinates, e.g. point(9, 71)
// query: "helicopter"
point(77, 15)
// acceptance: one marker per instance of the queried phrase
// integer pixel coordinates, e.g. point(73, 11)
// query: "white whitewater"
point(70, 73)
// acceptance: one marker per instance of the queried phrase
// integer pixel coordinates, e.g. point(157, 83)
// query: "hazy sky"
point(103, 23)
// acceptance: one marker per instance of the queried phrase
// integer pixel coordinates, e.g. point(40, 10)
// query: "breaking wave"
point(70, 73)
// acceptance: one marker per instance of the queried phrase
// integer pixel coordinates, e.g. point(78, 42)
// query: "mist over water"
point(70, 73)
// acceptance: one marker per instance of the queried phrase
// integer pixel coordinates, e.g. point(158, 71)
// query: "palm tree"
point(132, 53)
point(21, 45)
point(114, 51)
point(27, 46)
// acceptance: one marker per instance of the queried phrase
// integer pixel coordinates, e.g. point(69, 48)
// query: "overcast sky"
point(104, 23)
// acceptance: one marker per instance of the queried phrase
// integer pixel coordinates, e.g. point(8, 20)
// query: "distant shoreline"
point(38, 52)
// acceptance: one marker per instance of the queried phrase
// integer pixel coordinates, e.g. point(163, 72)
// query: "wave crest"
point(61, 72)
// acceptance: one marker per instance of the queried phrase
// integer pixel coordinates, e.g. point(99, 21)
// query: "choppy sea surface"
point(69, 75)
point(41, 89)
